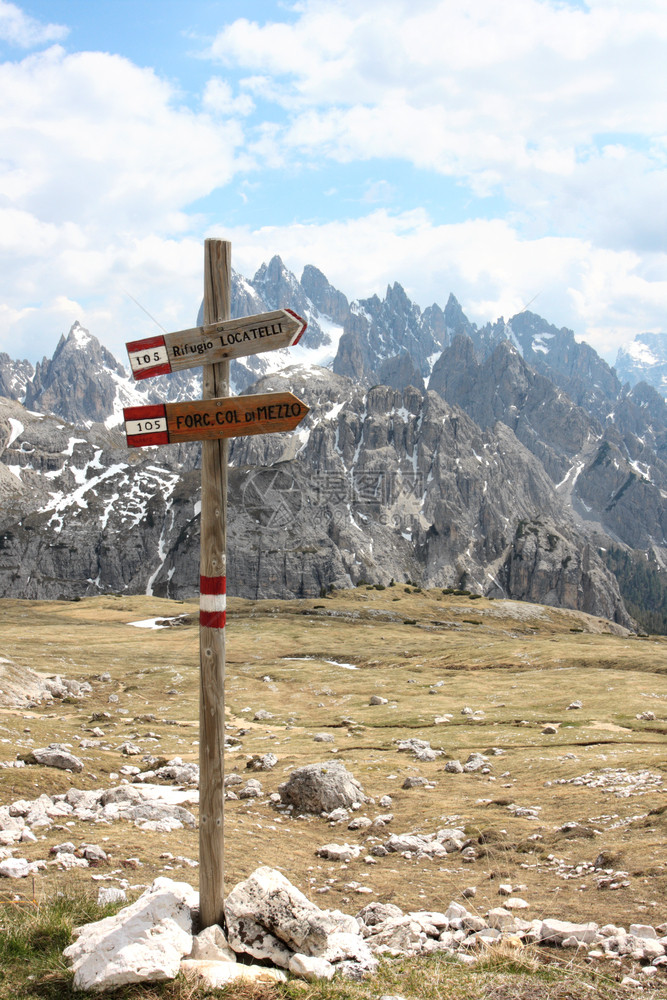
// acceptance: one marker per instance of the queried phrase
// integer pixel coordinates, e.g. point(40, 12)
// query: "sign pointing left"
point(203, 345)
point(205, 419)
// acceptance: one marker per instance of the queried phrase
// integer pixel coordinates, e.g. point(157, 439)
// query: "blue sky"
point(504, 152)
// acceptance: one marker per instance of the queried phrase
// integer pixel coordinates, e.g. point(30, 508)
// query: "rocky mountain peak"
point(456, 320)
point(277, 285)
point(644, 360)
point(79, 382)
point(323, 295)
point(14, 377)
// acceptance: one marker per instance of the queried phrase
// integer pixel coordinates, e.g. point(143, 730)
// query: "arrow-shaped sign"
point(197, 420)
point(203, 345)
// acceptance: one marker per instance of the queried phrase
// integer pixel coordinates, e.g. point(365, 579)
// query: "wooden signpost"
point(200, 420)
point(213, 420)
point(236, 338)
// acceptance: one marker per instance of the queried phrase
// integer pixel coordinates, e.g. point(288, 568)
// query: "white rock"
point(516, 903)
point(642, 931)
point(211, 945)
point(310, 968)
point(501, 919)
point(339, 852)
point(144, 942)
point(14, 868)
point(318, 788)
point(218, 974)
point(377, 699)
point(556, 931)
point(269, 918)
point(54, 756)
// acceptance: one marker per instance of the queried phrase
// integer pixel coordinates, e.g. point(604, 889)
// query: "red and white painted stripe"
point(212, 601)
point(149, 357)
point(146, 425)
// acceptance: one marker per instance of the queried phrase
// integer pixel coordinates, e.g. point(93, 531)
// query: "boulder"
point(310, 968)
point(270, 919)
point(143, 942)
point(14, 868)
point(339, 852)
point(317, 788)
point(557, 931)
point(54, 756)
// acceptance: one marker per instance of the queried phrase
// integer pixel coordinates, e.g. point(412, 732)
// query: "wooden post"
point(213, 588)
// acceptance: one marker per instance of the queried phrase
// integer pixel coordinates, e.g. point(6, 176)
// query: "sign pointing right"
point(204, 419)
point(203, 345)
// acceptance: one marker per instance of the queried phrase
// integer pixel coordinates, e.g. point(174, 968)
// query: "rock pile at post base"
point(271, 921)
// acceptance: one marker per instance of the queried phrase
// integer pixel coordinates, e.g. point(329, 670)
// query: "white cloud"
point(25, 32)
point(99, 165)
point(515, 98)
point(219, 99)
point(93, 139)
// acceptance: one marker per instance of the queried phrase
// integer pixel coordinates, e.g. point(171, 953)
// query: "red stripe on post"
point(212, 619)
point(144, 412)
point(212, 584)
point(144, 345)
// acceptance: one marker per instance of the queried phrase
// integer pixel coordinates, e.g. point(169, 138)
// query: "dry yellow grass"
point(430, 655)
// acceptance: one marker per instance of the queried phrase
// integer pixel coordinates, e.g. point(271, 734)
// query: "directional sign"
point(203, 345)
point(197, 420)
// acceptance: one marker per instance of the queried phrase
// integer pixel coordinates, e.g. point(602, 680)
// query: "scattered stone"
point(262, 715)
point(647, 716)
point(252, 790)
point(311, 968)
point(14, 868)
point(573, 705)
point(549, 730)
point(317, 788)
point(414, 781)
point(65, 848)
point(93, 853)
point(420, 749)
point(454, 767)
point(359, 823)
point(339, 852)
point(557, 931)
point(265, 762)
point(385, 801)
point(377, 699)
point(53, 756)
point(475, 762)
point(323, 738)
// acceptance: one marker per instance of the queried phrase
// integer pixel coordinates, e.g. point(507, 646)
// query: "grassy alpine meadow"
point(569, 808)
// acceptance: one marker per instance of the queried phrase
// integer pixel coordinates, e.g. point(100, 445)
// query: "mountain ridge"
point(435, 451)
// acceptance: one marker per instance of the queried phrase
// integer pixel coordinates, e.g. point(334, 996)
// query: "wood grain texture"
point(234, 416)
point(217, 297)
